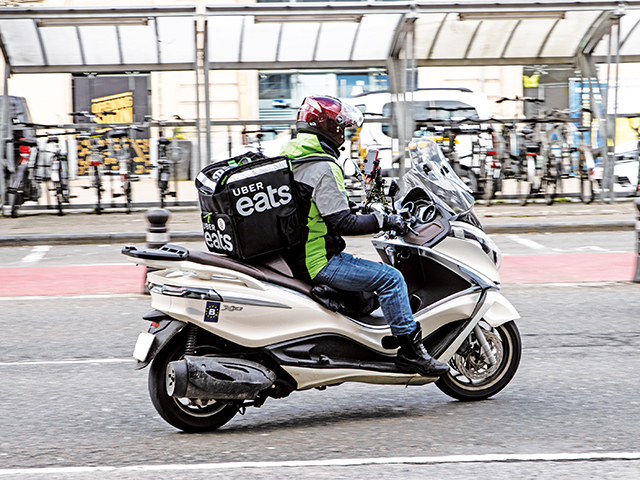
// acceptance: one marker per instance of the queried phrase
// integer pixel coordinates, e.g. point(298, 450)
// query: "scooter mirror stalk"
point(394, 188)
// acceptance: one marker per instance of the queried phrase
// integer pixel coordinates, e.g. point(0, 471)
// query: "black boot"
point(413, 357)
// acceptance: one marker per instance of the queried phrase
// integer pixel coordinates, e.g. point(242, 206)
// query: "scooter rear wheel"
point(471, 377)
point(184, 413)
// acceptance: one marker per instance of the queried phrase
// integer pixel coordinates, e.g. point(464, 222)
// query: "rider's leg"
point(349, 273)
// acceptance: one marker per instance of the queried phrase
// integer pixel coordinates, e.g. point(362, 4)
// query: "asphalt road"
point(71, 405)
point(510, 244)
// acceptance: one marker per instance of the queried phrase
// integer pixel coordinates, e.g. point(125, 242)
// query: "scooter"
point(226, 334)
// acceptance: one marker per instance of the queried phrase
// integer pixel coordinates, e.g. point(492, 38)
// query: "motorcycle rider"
point(323, 200)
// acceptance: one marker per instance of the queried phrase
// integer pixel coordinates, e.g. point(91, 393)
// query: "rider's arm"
point(332, 203)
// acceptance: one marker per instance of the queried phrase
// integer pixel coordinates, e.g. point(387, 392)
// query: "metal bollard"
point(636, 278)
point(157, 233)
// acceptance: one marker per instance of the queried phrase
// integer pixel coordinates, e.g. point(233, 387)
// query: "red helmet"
point(327, 117)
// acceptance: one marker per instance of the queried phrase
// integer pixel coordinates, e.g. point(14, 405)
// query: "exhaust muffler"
point(217, 378)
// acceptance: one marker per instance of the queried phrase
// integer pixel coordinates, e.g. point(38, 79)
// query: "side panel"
point(469, 254)
point(309, 378)
point(257, 318)
point(501, 312)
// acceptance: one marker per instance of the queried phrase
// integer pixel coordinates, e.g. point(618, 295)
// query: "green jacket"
point(323, 201)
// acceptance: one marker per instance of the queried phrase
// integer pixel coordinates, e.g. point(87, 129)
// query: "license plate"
point(143, 345)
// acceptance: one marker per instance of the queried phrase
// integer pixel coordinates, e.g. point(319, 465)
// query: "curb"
point(196, 236)
point(90, 238)
point(560, 227)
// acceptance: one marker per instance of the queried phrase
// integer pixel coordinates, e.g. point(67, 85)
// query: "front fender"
point(161, 335)
point(501, 312)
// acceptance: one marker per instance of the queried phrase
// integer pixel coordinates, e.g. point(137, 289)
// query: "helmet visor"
point(350, 116)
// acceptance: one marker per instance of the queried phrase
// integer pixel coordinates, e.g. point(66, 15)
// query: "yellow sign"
point(116, 108)
point(530, 82)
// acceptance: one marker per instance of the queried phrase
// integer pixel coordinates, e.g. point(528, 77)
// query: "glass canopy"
point(313, 34)
point(93, 40)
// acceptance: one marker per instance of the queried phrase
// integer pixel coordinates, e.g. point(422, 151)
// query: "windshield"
point(432, 171)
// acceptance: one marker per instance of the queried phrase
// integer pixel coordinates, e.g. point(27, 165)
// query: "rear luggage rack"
point(166, 252)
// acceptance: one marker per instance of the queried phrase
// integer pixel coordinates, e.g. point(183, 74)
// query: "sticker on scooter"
point(212, 312)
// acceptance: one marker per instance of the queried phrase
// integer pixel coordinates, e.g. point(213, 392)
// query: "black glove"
point(396, 223)
point(353, 207)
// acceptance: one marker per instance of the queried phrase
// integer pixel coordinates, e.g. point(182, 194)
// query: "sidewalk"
point(35, 227)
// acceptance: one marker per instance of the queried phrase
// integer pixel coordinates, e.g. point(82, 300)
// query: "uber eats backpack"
point(248, 206)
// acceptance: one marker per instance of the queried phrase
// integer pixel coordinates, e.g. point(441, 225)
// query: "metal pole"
point(607, 180)
point(405, 105)
point(612, 193)
point(636, 277)
point(197, 161)
point(207, 107)
point(5, 160)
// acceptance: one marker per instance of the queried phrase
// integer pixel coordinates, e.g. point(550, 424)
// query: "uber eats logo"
point(255, 198)
point(215, 237)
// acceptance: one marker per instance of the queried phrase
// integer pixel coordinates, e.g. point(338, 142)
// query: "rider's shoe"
point(413, 357)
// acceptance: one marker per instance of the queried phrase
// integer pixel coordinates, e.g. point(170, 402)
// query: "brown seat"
point(258, 269)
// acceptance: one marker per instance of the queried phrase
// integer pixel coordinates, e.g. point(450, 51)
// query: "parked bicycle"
point(96, 144)
point(40, 170)
point(469, 161)
point(59, 173)
point(126, 156)
point(259, 135)
point(169, 156)
point(26, 182)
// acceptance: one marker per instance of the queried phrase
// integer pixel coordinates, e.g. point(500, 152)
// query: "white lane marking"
point(526, 242)
point(67, 362)
point(338, 462)
point(37, 254)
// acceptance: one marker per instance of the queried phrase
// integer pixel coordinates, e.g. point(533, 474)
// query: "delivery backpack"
point(248, 205)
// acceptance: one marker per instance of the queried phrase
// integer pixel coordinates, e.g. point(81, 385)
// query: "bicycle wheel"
point(163, 182)
point(17, 191)
point(97, 183)
point(524, 187)
point(16, 201)
point(58, 184)
point(550, 183)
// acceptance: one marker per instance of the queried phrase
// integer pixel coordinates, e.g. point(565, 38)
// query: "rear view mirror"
point(394, 188)
point(350, 168)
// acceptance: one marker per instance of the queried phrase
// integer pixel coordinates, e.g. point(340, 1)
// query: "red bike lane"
point(118, 279)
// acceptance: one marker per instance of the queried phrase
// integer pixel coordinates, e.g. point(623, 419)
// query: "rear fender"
point(500, 312)
point(167, 329)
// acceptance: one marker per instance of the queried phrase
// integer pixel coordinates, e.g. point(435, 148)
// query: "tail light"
point(24, 153)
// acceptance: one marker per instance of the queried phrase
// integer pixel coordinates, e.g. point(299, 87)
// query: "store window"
point(274, 86)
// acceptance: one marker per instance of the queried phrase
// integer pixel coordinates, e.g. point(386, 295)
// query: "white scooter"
point(227, 334)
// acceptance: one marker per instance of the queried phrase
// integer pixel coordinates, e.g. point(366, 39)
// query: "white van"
point(429, 104)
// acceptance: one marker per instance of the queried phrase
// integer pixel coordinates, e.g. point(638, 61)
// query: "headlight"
point(470, 233)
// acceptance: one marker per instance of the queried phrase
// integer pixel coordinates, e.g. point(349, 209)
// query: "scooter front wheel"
point(471, 376)
point(185, 414)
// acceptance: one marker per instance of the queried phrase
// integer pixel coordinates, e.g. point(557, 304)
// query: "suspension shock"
point(192, 336)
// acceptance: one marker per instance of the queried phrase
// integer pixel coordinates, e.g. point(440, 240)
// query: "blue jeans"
point(353, 274)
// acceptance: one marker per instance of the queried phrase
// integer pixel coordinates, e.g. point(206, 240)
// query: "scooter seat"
point(257, 270)
point(271, 268)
